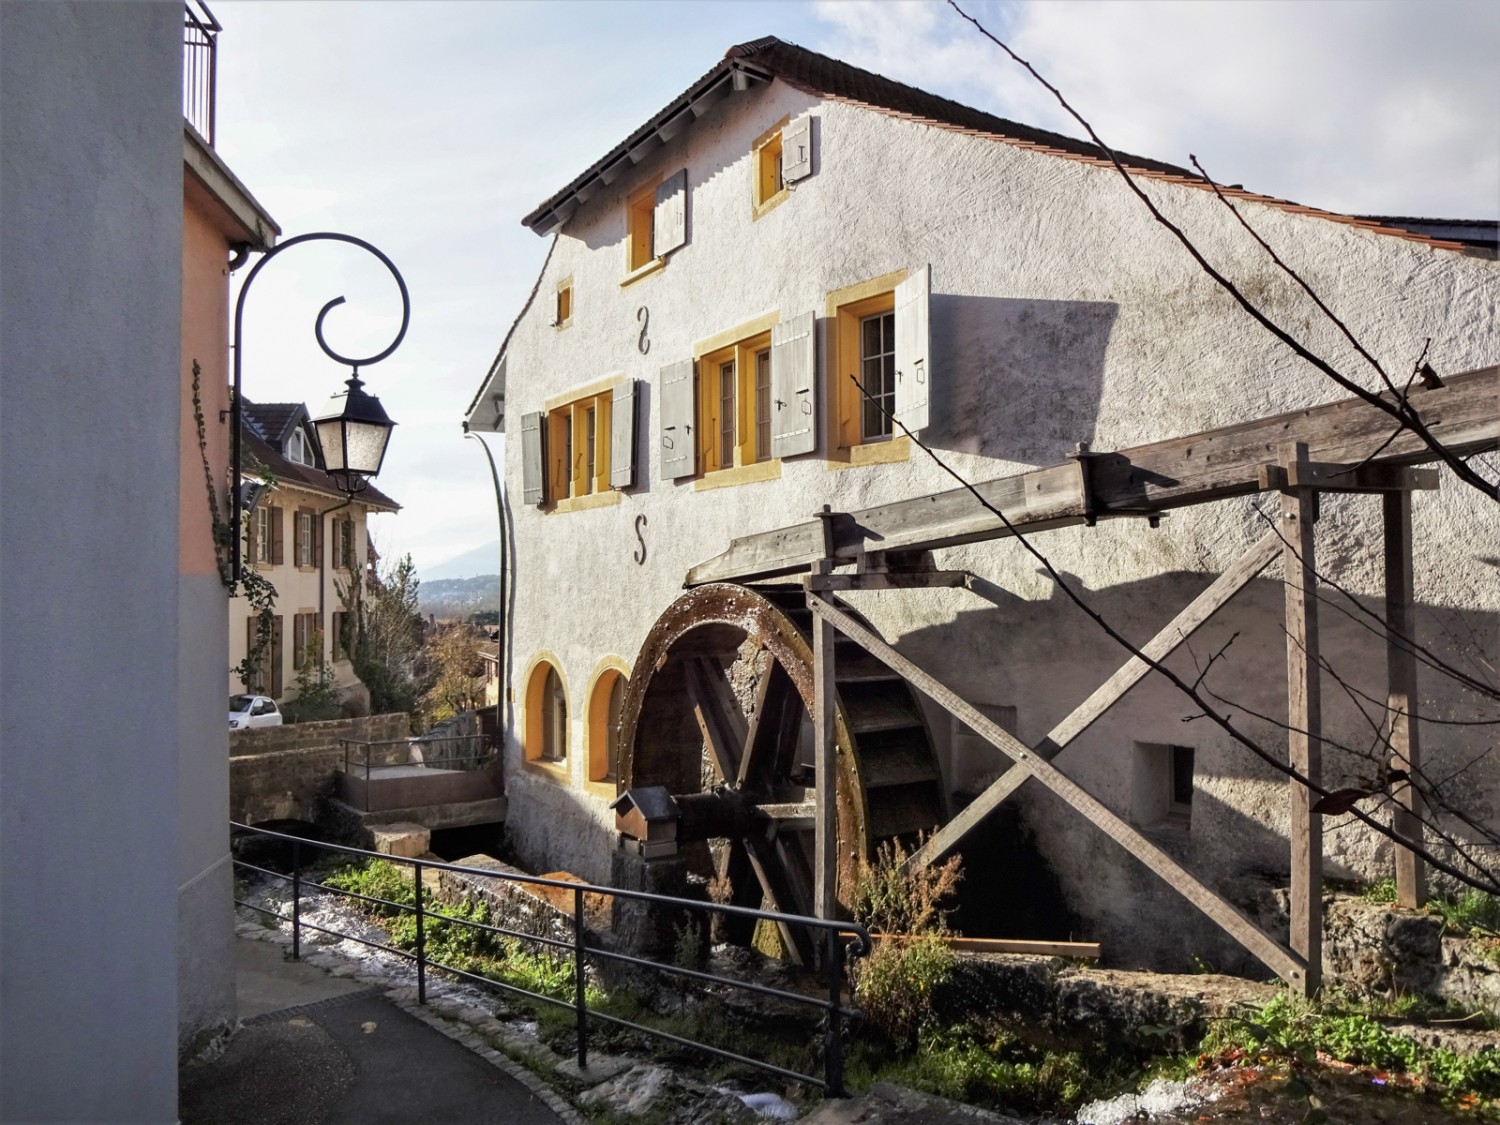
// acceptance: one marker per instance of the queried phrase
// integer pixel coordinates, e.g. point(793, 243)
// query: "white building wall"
point(1060, 313)
point(90, 287)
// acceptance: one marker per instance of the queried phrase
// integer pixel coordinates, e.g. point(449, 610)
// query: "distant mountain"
point(448, 598)
point(481, 560)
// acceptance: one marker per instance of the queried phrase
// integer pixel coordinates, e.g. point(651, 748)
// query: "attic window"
point(639, 223)
point(564, 304)
point(297, 448)
point(780, 157)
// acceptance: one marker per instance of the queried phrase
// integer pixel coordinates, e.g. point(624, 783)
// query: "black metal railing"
point(200, 67)
point(368, 756)
point(839, 939)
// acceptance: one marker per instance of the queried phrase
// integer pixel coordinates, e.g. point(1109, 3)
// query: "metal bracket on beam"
point(1334, 477)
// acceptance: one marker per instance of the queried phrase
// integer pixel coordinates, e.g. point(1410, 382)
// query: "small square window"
point(564, 304)
point(769, 186)
point(640, 221)
point(1161, 792)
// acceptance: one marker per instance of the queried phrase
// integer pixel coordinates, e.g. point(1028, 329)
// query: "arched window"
point(606, 705)
point(546, 715)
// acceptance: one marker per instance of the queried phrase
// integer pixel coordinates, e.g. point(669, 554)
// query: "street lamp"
point(353, 432)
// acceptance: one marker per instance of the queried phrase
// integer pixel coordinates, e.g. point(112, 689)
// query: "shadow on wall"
point(1044, 658)
point(1027, 375)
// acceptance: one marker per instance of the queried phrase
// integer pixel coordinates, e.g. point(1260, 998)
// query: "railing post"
point(296, 901)
point(578, 980)
point(416, 869)
point(833, 1038)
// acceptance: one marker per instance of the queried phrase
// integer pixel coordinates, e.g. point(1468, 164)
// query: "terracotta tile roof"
point(762, 60)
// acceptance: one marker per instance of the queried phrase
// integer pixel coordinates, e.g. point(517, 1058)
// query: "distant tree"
point(457, 675)
point(388, 636)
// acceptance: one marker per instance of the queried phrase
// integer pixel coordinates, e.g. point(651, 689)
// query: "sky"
point(430, 128)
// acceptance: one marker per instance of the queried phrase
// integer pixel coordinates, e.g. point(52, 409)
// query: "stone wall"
point(304, 736)
point(281, 773)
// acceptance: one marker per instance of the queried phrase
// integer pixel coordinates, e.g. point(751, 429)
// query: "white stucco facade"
point(1060, 312)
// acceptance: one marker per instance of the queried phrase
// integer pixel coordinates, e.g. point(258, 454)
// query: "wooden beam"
point(717, 716)
point(1304, 718)
point(1368, 477)
point(1179, 629)
point(1142, 480)
point(1282, 962)
point(961, 944)
point(825, 748)
point(894, 580)
point(1401, 701)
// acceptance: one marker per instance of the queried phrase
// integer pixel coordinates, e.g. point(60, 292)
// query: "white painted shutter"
point(669, 228)
point(622, 435)
point(533, 481)
point(913, 349)
point(677, 458)
point(796, 151)
point(794, 396)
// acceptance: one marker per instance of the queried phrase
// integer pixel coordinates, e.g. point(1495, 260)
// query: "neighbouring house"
point(311, 541)
point(122, 225)
point(681, 395)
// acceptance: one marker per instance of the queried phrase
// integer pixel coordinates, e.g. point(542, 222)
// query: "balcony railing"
point(200, 67)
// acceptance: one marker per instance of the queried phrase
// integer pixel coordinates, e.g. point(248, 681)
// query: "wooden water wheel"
point(718, 711)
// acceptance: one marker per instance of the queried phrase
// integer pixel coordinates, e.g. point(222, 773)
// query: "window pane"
point(877, 371)
point(726, 414)
point(612, 727)
point(763, 405)
point(588, 466)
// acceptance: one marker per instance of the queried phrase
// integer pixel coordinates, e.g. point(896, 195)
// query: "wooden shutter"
point(317, 534)
point(321, 635)
point(533, 481)
point(277, 533)
point(257, 673)
point(622, 435)
point(796, 151)
point(913, 349)
point(274, 654)
point(252, 554)
point(669, 228)
point(794, 412)
point(677, 458)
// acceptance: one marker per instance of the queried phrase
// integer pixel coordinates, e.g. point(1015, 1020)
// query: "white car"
point(253, 711)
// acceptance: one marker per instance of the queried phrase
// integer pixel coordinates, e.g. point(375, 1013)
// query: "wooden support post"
point(1304, 720)
point(1401, 676)
point(826, 869)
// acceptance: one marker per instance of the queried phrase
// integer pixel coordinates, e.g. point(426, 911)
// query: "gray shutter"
point(913, 349)
point(533, 483)
point(794, 393)
point(669, 228)
point(796, 151)
point(677, 458)
point(622, 435)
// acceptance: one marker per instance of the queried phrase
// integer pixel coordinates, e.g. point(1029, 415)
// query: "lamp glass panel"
point(331, 438)
point(365, 446)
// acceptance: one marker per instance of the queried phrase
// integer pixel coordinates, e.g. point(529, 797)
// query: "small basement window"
point(1162, 786)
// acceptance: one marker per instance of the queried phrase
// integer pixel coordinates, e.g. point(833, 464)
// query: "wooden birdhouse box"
point(647, 819)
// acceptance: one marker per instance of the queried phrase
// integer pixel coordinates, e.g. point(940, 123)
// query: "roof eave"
point(729, 76)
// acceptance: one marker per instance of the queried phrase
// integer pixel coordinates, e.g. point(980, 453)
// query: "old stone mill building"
point(723, 546)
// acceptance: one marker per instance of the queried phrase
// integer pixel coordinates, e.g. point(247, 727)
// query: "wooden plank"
point(1179, 629)
point(1401, 700)
point(897, 580)
point(961, 944)
point(1282, 962)
point(1304, 719)
point(825, 748)
point(1140, 480)
point(753, 732)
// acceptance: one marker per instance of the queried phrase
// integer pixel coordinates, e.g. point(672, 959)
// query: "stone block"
point(402, 839)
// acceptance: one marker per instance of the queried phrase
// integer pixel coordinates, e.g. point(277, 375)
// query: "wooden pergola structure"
point(1344, 446)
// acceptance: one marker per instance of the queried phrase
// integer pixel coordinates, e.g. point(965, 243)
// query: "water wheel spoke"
point(735, 869)
point(778, 882)
point(718, 715)
point(766, 734)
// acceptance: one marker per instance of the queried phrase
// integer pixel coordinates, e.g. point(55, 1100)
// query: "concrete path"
point(322, 1050)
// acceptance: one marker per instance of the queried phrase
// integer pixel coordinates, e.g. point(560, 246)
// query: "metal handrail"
point(200, 77)
point(840, 938)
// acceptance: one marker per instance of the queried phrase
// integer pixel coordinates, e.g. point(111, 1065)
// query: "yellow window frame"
point(640, 219)
point(768, 187)
point(712, 453)
point(570, 473)
point(564, 304)
point(846, 308)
